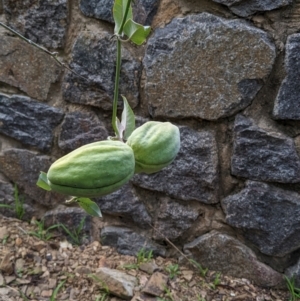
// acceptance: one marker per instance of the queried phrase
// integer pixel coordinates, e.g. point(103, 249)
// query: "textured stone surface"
point(174, 218)
point(6, 192)
point(79, 128)
point(205, 66)
point(246, 8)
point(125, 203)
point(43, 22)
point(287, 103)
point(193, 175)
point(128, 242)
point(143, 10)
point(156, 285)
point(28, 121)
point(118, 283)
point(71, 217)
point(294, 271)
point(7, 196)
point(23, 167)
point(94, 56)
point(223, 253)
point(27, 68)
point(268, 216)
point(264, 156)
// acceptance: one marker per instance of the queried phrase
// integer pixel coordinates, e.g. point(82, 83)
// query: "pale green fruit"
point(155, 145)
point(95, 169)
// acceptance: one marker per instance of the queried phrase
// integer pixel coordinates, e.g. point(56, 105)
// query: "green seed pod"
point(155, 145)
point(95, 169)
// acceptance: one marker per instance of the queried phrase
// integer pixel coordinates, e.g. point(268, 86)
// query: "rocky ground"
point(35, 269)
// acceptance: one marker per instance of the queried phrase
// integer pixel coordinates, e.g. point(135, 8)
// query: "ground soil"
point(32, 269)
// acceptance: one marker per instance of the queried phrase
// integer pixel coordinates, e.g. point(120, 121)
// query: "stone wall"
point(227, 72)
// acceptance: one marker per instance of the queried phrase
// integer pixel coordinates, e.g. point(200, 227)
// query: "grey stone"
point(43, 22)
point(148, 267)
point(128, 242)
point(245, 8)
point(268, 216)
point(118, 283)
point(143, 10)
point(173, 218)
point(205, 66)
point(80, 128)
point(26, 67)
point(7, 198)
point(23, 168)
point(28, 121)
point(94, 56)
point(193, 175)
point(287, 103)
point(124, 202)
point(221, 252)
point(263, 156)
point(71, 217)
point(156, 285)
point(294, 272)
point(13, 197)
point(6, 192)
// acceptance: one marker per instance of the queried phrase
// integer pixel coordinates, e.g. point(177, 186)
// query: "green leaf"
point(89, 206)
point(120, 128)
point(43, 181)
point(137, 33)
point(6, 206)
point(128, 119)
point(119, 9)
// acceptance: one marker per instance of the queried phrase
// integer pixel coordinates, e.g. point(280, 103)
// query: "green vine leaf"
point(128, 119)
point(43, 181)
point(89, 207)
point(137, 33)
point(119, 10)
point(120, 128)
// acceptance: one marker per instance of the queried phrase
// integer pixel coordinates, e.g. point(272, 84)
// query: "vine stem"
point(118, 70)
point(52, 54)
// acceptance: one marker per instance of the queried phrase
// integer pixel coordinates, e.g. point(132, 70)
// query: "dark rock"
point(43, 22)
point(143, 10)
point(80, 128)
point(128, 242)
point(194, 173)
point(287, 103)
point(269, 217)
point(94, 56)
point(21, 206)
point(173, 218)
point(6, 198)
point(72, 218)
point(26, 67)
point(294, 272)
point(205, 66)
point(6, 192)
point(264, 156)
point(28, 121)
point(223, 253)
point(125, 203)
point(23, 168)
point(245, 8)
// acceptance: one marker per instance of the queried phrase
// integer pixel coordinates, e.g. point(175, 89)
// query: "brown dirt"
point(31, 269)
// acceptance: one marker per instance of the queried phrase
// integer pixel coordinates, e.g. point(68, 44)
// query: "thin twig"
point(167, 240)
point(52, 54)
